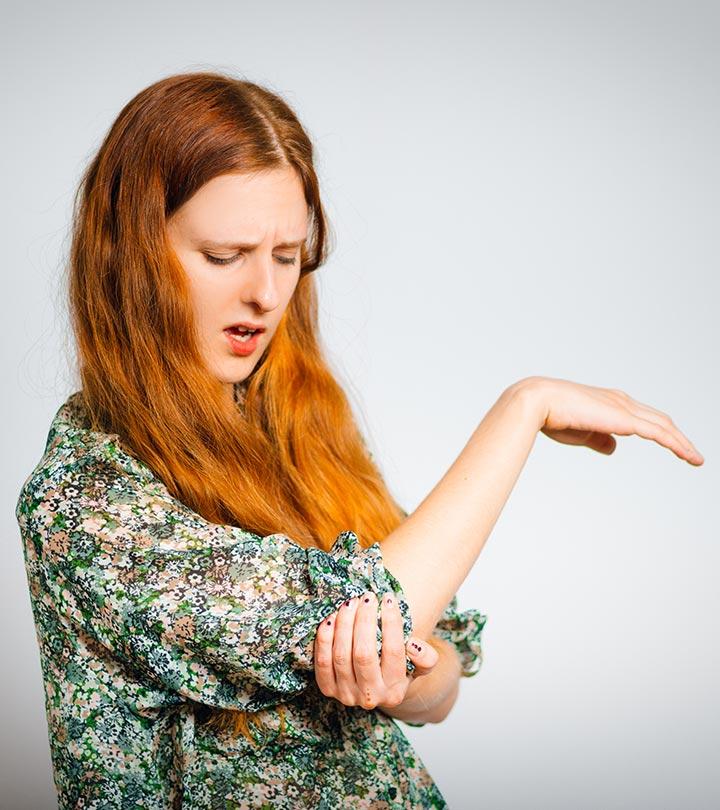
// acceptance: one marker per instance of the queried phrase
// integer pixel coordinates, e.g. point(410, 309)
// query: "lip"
point(247, 325)
point(242, 349)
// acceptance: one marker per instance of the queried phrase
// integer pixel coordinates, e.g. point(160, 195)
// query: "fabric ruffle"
point(464, 630)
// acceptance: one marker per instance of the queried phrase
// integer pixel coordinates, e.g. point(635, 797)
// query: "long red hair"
point(293, 459)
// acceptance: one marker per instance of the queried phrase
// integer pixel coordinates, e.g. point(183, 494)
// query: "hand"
point(347, 665)
point(573, 413)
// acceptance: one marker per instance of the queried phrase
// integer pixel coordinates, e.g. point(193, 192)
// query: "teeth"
point(242, 338)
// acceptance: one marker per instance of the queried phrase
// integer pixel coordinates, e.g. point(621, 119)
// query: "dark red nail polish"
point(367, 598)
point(329, 621)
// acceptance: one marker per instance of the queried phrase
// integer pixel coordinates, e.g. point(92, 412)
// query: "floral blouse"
point(146, 614)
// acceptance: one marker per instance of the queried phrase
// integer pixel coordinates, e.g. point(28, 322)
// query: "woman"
point(209, 544)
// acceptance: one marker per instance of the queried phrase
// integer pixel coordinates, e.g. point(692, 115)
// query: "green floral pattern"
point(147, 614)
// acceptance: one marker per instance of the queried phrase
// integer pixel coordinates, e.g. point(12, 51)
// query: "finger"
point(662, 419)
point(644, 411)
point(392, 653)
point(366, 661)
point(665, 437)
point(600, 442)
point(626, 399)
point(323, 662)
point(342, 653)
point(603, 443)
point(424, 654)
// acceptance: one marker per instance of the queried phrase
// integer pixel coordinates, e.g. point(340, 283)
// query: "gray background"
point(515, 188)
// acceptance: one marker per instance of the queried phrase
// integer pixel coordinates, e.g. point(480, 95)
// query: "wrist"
point(532, 395)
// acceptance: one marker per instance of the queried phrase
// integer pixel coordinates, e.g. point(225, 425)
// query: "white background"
point(515, 189)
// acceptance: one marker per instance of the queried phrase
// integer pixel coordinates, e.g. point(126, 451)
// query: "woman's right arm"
point(434, 549)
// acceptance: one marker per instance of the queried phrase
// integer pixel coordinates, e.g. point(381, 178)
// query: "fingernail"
point(388, 600)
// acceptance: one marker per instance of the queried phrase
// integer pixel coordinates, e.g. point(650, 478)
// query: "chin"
point(230, 378)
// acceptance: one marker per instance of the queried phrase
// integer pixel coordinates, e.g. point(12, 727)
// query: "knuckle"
point(393, 649)
point(369, 700)
point(396, 695)
point(323, 661)
point(402, 688)
point(364, 655)
point(339, 659)
point(346, 698)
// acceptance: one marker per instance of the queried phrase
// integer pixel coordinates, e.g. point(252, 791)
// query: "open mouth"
point(240, 334)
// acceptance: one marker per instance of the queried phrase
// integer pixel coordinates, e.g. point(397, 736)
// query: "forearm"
point(436, 546)
point(430, 697)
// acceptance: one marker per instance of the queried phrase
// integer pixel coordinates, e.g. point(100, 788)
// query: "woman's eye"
point(231, 259)
point(217, 260)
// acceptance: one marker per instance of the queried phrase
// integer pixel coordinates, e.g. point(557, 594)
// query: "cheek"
point(290, 288)
point(207, 298)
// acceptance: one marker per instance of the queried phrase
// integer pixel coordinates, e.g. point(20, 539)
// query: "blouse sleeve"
point(213, 612)
point(464, 630)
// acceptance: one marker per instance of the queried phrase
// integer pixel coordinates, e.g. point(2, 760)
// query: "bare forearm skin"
point(429, 698)
point(436, 546)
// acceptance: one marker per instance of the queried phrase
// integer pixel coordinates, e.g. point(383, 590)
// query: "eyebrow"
point(205, 243)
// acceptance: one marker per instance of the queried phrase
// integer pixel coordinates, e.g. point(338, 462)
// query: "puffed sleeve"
point(464, 630)
point(213, 612)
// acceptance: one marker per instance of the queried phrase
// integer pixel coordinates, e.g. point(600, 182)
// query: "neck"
point(236, 391)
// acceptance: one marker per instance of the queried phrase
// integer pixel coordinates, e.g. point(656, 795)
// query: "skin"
point(263, 212)
point(468, 499)
point(268, 209)
point(470, 496)
point(347, 666)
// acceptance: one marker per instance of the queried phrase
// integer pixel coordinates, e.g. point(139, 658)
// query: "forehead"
point(246, 208)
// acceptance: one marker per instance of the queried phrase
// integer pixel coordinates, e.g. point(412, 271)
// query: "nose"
point(259, 286)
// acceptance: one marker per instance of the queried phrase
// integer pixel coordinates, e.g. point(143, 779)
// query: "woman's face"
point(238, 238)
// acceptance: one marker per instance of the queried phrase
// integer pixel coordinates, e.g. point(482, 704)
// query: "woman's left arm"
point(430, 698)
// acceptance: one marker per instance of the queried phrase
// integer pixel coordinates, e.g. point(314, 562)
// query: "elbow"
point(442, 710)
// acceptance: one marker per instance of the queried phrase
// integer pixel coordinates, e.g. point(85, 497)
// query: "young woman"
point(232, 610)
